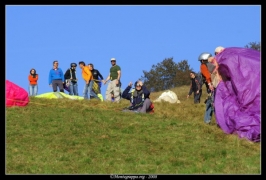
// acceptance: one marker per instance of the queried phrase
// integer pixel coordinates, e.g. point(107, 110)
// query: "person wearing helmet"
point(139, 97)
point(71, 79)
point(115, 84)
point(206, 69)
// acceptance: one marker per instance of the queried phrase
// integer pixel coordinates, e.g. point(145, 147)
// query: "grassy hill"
point(63, 136)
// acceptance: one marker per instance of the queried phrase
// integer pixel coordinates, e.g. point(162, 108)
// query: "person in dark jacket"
point(71, 79)
point(139, 98)
point(97, 76)
point(195, 87)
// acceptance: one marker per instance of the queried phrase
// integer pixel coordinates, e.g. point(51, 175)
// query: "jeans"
point(197, 97)
point(209, 110)
point(88, 92)
point(33, 90)
point(73, 89)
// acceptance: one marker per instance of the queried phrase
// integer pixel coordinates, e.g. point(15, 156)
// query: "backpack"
point(150, 110)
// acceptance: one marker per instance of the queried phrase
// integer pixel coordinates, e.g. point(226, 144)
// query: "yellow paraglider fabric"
point(56, 95)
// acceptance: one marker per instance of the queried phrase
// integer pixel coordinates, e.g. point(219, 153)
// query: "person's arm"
point(67, 74)
point(100, 75)
point(107, 79)
point(89, 75)
point(190, 90)
point(204, 70)
point(29, 78)
point(62, 75)
point(37, 77)
point(126, 94)
point(119, 76)
point(145, 91)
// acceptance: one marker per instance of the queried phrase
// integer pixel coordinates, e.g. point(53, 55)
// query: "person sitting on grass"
point(139, 98)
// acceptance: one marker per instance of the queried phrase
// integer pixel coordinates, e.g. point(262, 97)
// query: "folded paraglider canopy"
point(56, 95)
point(15, 95)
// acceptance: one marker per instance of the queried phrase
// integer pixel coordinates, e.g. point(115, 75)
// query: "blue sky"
point(137, 36)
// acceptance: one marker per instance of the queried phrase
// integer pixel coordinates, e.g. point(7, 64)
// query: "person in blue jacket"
point(139, 97)
point(56, 77)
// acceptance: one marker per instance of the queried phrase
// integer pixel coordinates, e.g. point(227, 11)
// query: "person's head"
point(32, 71)
point(113, 61)
point(73, 65)
point(81, 64)
point(90, 66)
point(138, 85)
point(203, 57)
point(55, 64)
point(218, 50)
point(192, 75)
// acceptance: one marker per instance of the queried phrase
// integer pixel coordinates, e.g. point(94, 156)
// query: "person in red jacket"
point(33, 85)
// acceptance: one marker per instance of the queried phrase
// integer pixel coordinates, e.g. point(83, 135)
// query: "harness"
point(132, 97)
point(151, 108)
point(68, 80)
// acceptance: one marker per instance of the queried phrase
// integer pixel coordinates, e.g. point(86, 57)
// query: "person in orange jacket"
point(33, 85)
point(87, 76)
point(205, 69)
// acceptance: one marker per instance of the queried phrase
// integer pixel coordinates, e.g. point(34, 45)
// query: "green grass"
point(62, 136)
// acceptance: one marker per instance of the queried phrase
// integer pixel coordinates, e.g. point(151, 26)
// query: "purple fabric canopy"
point(237, 98)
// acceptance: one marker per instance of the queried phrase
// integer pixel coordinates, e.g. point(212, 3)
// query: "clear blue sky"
point(137, 36)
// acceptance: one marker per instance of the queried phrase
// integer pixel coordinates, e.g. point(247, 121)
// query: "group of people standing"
point(139, 100)
point(59, 80)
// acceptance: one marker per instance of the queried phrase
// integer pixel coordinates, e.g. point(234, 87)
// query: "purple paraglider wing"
point(237, 98)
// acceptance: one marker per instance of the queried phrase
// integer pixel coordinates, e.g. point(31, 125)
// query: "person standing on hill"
point(115, 84)
point(56, 77)
point(33, 86)
point(71, 79)
point(97, 76)
point(87, 76)
point(206, 69)
point(195, 87)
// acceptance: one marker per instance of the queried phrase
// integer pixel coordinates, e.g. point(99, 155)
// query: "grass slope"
point(63, 136)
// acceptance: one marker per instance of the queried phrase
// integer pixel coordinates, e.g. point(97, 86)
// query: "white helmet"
point(204, 56)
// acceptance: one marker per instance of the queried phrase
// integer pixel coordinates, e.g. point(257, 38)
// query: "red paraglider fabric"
point(15, 95)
